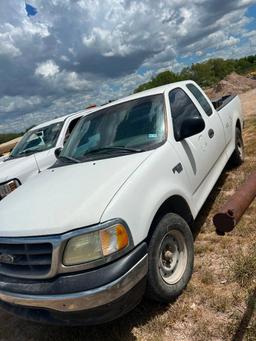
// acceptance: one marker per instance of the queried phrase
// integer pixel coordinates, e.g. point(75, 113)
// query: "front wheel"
point(171, 258)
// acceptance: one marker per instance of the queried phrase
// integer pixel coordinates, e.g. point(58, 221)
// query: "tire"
point(237, 158)
point(171, 259)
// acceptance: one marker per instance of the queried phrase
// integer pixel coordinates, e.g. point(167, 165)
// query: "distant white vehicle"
point(35, 152)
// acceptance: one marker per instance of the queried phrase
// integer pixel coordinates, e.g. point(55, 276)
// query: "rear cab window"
point(200, 97)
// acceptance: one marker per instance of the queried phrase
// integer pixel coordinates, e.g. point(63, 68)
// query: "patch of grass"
point(220, 303)
point(247, 226)
point(251, 331)
point(253, 122)
point(201, 248)
point(204, 328)
point(244, 267)
point(207, 277)
point(225, 242)
point(242, 326)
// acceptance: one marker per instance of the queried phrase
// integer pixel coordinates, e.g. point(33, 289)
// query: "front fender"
point(139, 199)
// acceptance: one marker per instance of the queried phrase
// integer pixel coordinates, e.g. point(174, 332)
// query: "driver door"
point(199, 153)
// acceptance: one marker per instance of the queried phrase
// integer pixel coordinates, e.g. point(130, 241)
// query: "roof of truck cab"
point(154, 91)
point(61, 119)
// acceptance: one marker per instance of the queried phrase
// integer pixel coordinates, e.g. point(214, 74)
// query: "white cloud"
point(10, 104)
point(64, 58)
point(11, 36)
point(69, 81)
point(187, 20)
point(47, 69)
point(35, 28)
point(7, 46)
point(73, 81)
point(230, 41)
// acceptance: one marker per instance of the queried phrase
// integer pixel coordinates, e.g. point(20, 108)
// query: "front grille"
point(25, 260)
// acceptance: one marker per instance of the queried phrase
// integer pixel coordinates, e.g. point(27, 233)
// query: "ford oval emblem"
point(6, 259)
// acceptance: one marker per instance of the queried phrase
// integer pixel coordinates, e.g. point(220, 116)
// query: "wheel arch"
point(174, 204)
point(238, 125)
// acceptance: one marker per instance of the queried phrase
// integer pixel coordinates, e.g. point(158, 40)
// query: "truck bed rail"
point(221, 102)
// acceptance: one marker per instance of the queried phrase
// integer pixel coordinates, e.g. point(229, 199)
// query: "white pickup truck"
point(35, 152)
point(81, 242)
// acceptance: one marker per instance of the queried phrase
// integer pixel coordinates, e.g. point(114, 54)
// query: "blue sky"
point(31, 11)
point(251, 12)
point(63, 55)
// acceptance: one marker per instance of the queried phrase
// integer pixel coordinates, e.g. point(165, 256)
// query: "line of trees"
point(7, 137)
point(205, 74)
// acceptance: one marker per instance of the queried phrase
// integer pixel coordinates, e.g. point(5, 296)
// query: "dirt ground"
point(249, 102)
point(219, 302)
point(231, 85)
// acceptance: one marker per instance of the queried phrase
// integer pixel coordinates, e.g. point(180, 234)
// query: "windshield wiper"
point(68, 158)
point(28, 152)
point(107, 150)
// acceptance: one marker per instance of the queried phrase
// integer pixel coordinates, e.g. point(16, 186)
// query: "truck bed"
point(221, 102)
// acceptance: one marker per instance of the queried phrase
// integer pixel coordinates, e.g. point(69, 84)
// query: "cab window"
point(182, 108)
point(200, 98)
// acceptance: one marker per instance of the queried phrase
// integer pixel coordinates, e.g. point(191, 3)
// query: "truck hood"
point(15, 168)
point(22, 167)
point(2, 158)
point(65, 198)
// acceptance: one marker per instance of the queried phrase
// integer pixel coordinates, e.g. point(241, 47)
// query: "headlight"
point(8, 187)
point(95, 245)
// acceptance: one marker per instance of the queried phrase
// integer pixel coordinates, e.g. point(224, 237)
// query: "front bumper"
point(82, 300)
point(22, 302)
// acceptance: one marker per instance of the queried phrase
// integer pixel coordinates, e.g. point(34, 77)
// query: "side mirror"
point(57, 152)
point(191, 126)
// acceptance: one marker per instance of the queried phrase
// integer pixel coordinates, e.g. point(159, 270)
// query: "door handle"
point(211, 133)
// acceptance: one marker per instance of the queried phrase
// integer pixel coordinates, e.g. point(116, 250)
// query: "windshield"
point(128, 127)
point(38, 140)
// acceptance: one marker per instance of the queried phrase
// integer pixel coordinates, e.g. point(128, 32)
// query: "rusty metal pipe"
point(231, 212)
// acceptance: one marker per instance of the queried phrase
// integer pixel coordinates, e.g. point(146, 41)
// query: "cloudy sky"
point(73, 53)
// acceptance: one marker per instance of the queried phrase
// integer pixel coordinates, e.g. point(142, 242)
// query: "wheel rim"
point(173, 257)
point(240, 148)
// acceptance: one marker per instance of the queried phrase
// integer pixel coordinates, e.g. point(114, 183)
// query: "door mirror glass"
point(191, 126)
point(57, 152)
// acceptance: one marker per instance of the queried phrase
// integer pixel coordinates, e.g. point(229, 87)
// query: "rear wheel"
point(237, 158)
point(171, 258)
